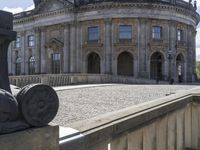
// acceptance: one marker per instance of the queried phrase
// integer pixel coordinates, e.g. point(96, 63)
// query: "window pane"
point(31, 40)
point(156, 32)
point(93, 34)
point(18, 42)
point(179, 35)
point(125, 32)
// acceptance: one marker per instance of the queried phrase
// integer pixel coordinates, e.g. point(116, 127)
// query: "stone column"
point(193, 55)
point(108, 46)
point(66, 49)
point(78, 47)
point(26, 55)
point(43, 51)
point(142, 47)
point(73, 47)
point(190, 53)
point(37, 50)
point(171, 68)
point(23, 51)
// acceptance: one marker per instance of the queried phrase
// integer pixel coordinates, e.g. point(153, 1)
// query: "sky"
point(16, 6)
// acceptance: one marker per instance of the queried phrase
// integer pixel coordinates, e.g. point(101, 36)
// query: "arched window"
point(18, 66)
point(31, 65)
point(56, 63)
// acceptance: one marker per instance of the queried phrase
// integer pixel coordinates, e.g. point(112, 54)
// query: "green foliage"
point(198, 69)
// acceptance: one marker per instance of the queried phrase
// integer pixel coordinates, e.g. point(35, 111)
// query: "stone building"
point(153, 39)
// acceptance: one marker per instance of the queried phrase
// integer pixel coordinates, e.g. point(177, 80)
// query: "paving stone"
point(87, 102)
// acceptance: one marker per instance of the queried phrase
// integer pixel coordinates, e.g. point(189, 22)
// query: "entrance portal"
point(94, 62)
point(157, 61)
point(125, 64)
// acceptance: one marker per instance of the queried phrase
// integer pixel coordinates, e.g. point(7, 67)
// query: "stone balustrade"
point(71, 79)
point(169, 123)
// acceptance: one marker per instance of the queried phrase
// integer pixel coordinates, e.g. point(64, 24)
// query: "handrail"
point(175, 112)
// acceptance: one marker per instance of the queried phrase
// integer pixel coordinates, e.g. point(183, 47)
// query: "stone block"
point(46, 138)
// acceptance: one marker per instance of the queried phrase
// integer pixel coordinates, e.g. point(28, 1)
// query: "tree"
point(198, 69)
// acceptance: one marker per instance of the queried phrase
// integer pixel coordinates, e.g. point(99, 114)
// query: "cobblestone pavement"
point(88, 102)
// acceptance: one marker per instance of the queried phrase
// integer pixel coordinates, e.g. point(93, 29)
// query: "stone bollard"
point(33, 107)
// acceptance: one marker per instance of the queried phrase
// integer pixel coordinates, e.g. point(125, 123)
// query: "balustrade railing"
point(169, 123)
point(71, 79)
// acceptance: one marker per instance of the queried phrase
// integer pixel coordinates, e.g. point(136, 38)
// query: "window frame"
point(95, 34)
point(179, 36)
point(156, 35)
point(31, 40)
point(130, 33)
point(18, 42)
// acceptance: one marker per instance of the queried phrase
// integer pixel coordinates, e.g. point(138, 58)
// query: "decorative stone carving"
point(38, 104)
point(34, 105)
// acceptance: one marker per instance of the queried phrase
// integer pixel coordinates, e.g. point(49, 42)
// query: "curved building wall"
point(143, 40)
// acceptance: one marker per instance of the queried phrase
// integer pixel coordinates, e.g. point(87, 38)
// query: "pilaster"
point(37, 50)
point(108, 46)
point(66, 49)
point(142, 47)
point(23, 51)
point(171, 69)
point(73, 46)
point(43, 51)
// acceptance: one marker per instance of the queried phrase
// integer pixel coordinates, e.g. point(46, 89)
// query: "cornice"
point(109, 5)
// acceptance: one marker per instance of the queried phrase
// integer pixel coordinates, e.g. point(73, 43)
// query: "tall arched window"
point(56, 63)
point(31, 65)
point(18, 66)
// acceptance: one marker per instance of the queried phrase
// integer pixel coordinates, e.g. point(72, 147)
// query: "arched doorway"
point(125, 64)
point(94, 62)
point(18, 66)
point(31, 65)
point(180, 68)
point(157, 65)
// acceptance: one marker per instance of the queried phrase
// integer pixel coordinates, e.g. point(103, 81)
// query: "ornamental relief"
point(87, 51)
point(118, 51)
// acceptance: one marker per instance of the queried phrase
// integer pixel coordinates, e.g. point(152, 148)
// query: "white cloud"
point(13, 10)
point(18, 9)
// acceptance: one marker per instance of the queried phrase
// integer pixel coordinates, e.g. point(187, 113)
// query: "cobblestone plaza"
point(79, 103)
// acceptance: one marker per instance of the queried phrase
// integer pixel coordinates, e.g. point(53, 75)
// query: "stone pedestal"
point(46, 138)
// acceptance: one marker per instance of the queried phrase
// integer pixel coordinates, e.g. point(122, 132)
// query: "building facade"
point(144, 39)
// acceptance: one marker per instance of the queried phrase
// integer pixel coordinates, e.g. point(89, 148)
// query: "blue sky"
point(16, 6)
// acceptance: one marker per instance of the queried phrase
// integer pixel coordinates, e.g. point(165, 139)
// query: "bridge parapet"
point(171, 122)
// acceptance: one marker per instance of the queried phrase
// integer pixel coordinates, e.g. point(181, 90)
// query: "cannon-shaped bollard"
point(38, 104)
point(35, 105)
